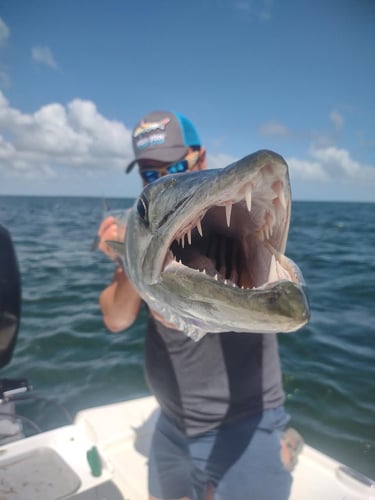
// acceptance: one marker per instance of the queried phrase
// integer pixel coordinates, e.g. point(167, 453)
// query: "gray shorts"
point(240, 460)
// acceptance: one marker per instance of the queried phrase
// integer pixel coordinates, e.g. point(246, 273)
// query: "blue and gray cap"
point(163, 136)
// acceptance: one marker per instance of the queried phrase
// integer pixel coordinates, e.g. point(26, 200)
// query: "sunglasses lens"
point(150, 175)
point(178, 167)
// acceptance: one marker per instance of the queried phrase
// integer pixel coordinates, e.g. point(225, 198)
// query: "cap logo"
point(150, 141)
point(147, 127)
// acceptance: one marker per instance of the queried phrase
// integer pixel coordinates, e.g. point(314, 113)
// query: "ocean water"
point(71, 360)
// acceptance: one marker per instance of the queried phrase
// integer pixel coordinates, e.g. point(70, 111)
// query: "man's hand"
point(109, 229)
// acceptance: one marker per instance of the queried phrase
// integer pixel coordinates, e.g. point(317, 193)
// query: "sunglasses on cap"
point(151, 174)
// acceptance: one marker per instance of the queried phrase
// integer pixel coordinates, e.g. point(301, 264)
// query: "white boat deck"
point(54, 465)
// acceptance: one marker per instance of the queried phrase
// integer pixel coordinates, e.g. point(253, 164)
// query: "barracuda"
point(205, 249)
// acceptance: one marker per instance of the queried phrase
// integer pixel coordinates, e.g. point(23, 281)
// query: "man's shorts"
point(240, 460)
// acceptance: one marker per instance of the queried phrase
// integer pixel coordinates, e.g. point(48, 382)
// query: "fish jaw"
point(278, 307)
point(210, 249)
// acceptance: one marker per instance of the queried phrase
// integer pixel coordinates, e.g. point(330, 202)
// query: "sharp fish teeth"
point(248, 199)
point(279, 190)
point(228, 211)
point(272, 274)
point(189, 236)
point(282, 199)
point(199, 227)
point(183, 241)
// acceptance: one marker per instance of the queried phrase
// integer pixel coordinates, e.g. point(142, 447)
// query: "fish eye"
point(142, 209)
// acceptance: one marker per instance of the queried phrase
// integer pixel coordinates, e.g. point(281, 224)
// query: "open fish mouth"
point(239, 238)
point(206, 249)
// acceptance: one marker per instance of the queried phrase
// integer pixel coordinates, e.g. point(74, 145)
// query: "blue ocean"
point(72, 361)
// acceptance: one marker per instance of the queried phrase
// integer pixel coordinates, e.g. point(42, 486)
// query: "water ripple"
point(67, 354)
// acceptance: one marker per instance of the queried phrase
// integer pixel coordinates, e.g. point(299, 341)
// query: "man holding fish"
point(204, 252)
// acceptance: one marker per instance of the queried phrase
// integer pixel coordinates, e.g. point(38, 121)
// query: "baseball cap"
point(163, 136)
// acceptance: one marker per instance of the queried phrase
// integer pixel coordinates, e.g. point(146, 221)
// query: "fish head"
point(207, 249)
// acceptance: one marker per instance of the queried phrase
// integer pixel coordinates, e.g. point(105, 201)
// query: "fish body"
point(205, 249)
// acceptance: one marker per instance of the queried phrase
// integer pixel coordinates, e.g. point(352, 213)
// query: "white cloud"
point(74, 143)
point(275, 129)
point(332, 164)
point(323, 165)
point(75, 136)
point(43, 55)
point(4, 32)
point(337, 119)
point(306, 170)
point(324, 161)
point(278, 129)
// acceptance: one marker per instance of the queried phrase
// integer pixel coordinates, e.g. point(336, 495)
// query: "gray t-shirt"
point(221, 378)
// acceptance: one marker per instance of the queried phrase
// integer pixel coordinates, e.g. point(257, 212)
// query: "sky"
point(293, 76)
